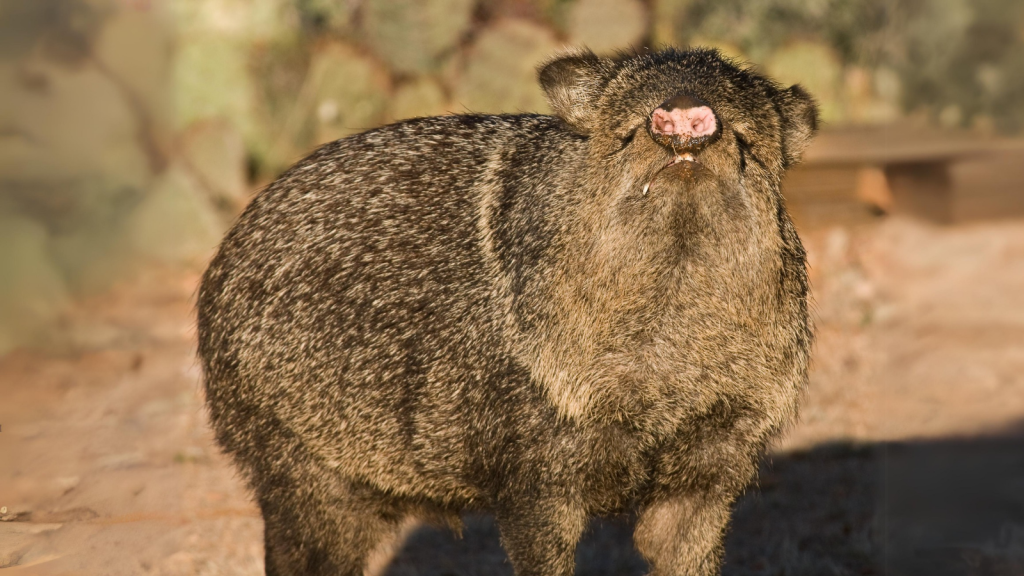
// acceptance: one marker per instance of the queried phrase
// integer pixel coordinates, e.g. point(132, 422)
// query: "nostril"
point(663, 122)
point(703, 121)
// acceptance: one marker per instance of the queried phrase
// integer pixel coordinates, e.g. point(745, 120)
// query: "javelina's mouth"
point(688, 160)
point(686, 157)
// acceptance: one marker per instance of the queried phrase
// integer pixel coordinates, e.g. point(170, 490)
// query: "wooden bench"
point(853, 175)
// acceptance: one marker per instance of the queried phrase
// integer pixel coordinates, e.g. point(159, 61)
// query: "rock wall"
point(134, 130)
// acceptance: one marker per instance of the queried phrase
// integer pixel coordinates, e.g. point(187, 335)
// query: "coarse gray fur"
point(530, 315)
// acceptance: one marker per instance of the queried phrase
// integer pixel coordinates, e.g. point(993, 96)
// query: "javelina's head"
point(680, 121)
point(664, 245)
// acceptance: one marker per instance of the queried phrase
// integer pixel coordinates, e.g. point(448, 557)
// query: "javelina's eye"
point(745, 151)
point(627, 139)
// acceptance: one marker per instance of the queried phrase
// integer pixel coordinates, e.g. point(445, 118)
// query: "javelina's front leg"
point(681, 524)
point(311, 533)
point(541, 536)
point(681, 535)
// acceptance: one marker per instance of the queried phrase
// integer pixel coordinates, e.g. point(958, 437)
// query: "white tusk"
point(646, 187)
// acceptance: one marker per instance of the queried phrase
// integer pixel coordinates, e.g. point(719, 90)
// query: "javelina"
point(547, 317)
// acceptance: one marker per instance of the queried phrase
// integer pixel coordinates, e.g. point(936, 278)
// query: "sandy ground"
point(909, 457)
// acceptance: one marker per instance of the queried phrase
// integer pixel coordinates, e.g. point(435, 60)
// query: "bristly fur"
point(525, 314)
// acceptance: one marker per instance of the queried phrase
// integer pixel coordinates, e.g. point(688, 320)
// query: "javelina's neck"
point(628, 311)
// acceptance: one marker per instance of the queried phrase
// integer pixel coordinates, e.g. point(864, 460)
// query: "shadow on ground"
point(937, 508)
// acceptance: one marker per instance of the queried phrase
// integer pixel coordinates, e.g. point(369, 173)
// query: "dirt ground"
point(908, 459)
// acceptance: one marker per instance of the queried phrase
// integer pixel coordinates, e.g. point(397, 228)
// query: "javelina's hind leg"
point(309, 531)
point(682, 535)
point(540, 537)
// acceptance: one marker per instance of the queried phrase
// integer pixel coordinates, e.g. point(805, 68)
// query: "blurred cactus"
point(32, 290)
point(816, 67)
point(212, 80)
point(247, 20)
point(282, 131)
point(350, 92)
point(421, 97)
point(214, 152)
point(333, 16)
point(500, 72)
point(174, 223)
point(607, 25)
point(414, 35)
point(62, 31)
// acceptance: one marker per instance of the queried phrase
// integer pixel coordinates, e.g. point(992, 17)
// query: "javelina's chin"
point(678, 171)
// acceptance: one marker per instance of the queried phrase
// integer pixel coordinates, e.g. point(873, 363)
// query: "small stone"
point(500, 74)
point(66, 483)
point(193, 454)
point(123, 461)
point(607, 25)
point(3, 509)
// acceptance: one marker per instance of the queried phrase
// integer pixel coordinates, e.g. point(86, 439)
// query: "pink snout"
point(691, 122)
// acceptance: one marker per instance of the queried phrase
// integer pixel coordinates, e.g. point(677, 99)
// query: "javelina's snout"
point(684, 123)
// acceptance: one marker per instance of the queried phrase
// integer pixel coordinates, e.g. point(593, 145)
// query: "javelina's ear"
point(799, 122)
point(572, 82)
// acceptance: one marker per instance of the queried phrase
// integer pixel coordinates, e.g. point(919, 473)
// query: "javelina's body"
point(546, 317)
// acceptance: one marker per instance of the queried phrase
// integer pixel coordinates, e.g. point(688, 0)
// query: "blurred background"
point(132, 132)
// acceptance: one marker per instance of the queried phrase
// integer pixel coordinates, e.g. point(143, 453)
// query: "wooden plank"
point(989, 187)
point(922, 189)
point(883, 146)
point(901, 170)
